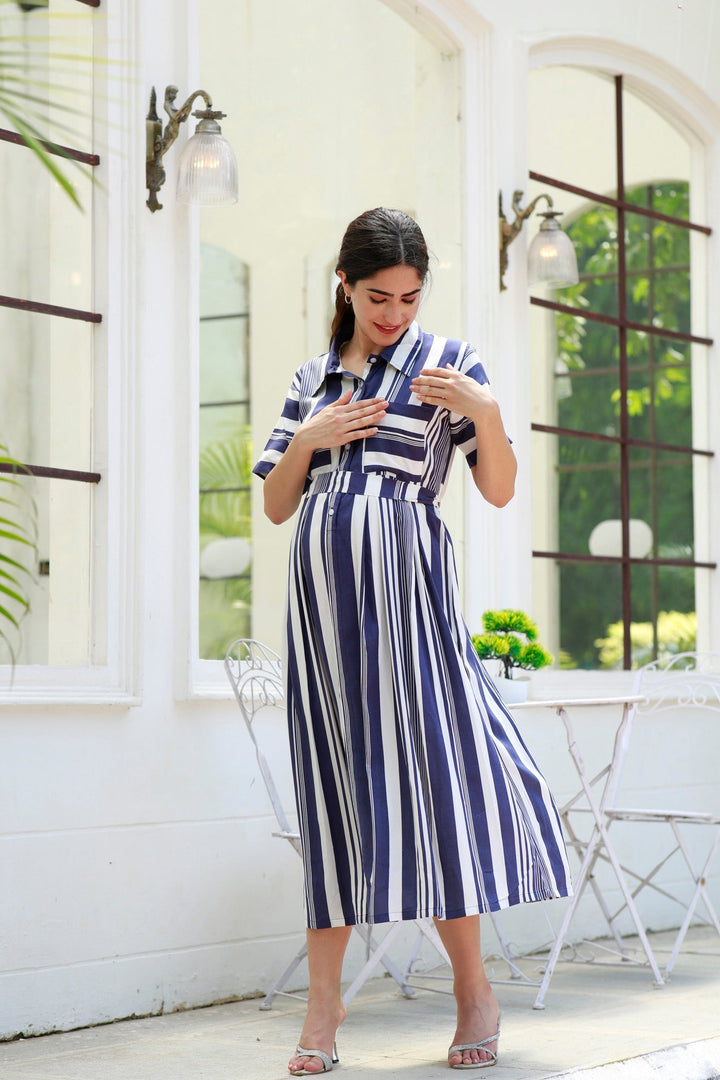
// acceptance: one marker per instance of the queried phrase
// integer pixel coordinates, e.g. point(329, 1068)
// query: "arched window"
point(619, 446)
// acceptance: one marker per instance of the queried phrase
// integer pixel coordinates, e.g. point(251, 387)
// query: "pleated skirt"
point(416, 795)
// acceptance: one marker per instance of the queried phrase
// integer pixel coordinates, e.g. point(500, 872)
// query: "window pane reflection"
point(661, 494)
point(57, 628)
point(590, 609)
point(225, 512)
point(47, 399)
point(583, 475)
point(663, 617)
point(586, 102)
point(658, 268)
point(46, 239)
point(659, 389)
point(653, 148)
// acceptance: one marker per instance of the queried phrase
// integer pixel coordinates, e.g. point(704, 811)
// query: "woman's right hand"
point(342, 422)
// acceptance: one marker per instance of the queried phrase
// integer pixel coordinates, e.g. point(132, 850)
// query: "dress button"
point(331, 511)
point(347, 446)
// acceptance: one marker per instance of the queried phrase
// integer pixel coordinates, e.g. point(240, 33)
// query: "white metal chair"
point(589, 806)
point(689, 685)
point(255, 674)
point(501, 966)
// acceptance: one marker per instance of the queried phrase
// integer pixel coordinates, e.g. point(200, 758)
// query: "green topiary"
point(511, 637)
point(508, 621)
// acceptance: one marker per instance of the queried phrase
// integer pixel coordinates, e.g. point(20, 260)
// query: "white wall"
point(138, 874)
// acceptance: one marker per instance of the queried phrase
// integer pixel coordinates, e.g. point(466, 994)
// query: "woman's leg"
point(325, 1011)
point(477, 1007)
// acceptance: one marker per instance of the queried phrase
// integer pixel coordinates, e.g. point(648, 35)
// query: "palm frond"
point(22, 95)
point(227, 463)
point(17, 99)
point(13, 562)
point(30, 116)
point(37, 147)
point(14, 595)
point(19, 535)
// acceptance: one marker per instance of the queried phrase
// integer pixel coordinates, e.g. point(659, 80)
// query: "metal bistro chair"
point(255, 674)
point(689, 684)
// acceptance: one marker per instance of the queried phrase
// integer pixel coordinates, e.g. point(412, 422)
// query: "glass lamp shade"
point(551, 255)
point(207, 170)
point(606, 538)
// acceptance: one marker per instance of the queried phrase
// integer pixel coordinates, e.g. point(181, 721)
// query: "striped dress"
point(416, 795)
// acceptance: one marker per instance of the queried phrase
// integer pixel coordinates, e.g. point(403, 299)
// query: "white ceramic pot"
point(493, 668)
point(513, 690)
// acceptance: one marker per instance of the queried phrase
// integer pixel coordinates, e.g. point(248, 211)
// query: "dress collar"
point(401, 354)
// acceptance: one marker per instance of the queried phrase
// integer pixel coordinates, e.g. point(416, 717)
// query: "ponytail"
point(344, 316)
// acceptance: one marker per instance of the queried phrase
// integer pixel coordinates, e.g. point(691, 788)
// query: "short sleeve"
point(282, 433)
point(462, 430)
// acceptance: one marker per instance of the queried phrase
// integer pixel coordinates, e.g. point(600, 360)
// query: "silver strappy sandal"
point(482, 1045)
point(327, 1061)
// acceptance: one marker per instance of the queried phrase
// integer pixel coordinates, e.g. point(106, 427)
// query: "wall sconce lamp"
point(551, 255)
point(207, 169)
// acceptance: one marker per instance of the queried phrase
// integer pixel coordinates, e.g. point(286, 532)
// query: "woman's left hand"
point(450, 389)
point(495, 468)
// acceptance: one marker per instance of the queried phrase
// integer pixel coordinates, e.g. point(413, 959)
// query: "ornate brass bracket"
point(509, 230)
point(158, 142)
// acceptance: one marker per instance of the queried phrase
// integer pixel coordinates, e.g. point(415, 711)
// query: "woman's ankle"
point(474, 1009)
point(327, 1003)
point(323, 1017)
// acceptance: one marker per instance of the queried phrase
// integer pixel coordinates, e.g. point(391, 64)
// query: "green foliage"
point(223, 465)
point(509, 621)
point(676, 633)
point(492, 646)
point(24, 98)
point(510, 636)
point(227, 463)
point(535, 656)
point(18, 549)
point(225, 605)
point(225, 610)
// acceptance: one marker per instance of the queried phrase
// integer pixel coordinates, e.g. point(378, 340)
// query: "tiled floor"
point(594, 1015)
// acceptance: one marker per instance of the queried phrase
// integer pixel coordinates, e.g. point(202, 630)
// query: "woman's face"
point(384, 304)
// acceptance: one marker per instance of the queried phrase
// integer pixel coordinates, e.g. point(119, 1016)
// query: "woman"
point(416, 796)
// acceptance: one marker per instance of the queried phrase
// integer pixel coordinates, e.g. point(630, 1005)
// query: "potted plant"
point(511, 638)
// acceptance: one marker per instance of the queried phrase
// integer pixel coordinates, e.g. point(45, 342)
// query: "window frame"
point(244, 317)
point(624, 325)
point(113, 600)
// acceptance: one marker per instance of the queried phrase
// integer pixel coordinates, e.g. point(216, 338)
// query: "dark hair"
point(376, 240)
